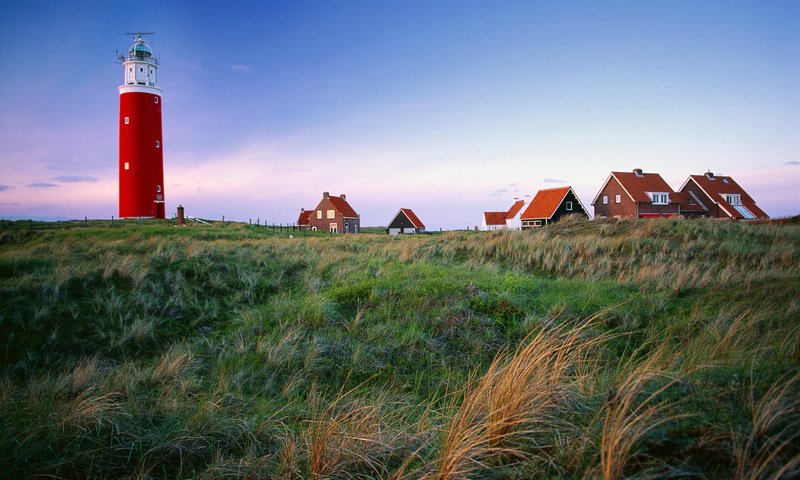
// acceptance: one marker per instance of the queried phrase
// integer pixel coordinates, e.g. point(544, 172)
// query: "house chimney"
point(710, 175)
point(302, 210)
point(325, 194)
point(638, 172)
point(343, 196)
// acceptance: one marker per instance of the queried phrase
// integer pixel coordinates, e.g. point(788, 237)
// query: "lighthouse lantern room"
point(141, 159)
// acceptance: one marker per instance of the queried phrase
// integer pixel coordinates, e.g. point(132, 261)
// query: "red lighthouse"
point(141, 159)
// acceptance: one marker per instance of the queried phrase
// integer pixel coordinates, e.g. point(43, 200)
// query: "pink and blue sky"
point(447, 107)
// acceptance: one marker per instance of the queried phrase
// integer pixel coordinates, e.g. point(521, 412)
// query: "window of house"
point(618, 199)
point(155, 99)
point(537, 223)
point(127, 120)
point(319, 214)
point(158, 188)
point(313, 229)
point(158, 144)
point(660, 198)
point(333, 228)
point(346, 228)
point(331, 213)
point(734, 199)
point(605, 199)
point(569, 206)
point(127, 166)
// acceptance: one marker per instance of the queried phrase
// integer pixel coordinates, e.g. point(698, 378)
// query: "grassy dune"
point(583, 350)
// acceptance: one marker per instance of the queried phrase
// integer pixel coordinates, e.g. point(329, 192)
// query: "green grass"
point(146, 350)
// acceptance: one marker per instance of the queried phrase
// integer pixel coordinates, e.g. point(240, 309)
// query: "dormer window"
point(733, 198)
point(660, 198)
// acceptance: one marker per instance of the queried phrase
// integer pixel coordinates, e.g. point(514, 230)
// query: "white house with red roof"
point(508, 220)
point(405, 221)
point(549, 205)
point(718, 196)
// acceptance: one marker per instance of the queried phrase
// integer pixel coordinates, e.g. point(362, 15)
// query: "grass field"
point(582, 350)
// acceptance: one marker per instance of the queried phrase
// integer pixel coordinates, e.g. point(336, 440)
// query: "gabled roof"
point(341, 205)
point(690, 203)
point(547, 201)
point(494, 218)
point(637, 186)
point(305, 217)
point(515, 208)
point(716, 187)
point(412, 217)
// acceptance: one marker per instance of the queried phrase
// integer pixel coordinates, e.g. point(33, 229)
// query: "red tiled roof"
point(546, 202)
point(305, 217)
point(637, 186)
point(495, 218)
point(413, 217)
point(515, 208)
point(689, 203)
point(343, 207)
point(717, 186)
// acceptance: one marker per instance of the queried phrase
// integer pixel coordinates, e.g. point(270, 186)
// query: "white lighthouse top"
point(141, 51)
point(141, 68)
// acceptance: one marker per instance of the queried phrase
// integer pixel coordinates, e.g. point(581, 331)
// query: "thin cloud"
point(510, 189)
point(4, 188)
point(554, 180)
point(44, 206)
point(75, 179)
point(41, 185)
point(241, 68)
point(792, 162)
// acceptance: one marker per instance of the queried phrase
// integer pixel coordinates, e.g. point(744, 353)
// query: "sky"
point(450, 108)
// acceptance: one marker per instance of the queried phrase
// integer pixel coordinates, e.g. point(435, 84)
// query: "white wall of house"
point(515, 223)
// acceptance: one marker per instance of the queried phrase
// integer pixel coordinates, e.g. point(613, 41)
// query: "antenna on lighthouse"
point(138, 35)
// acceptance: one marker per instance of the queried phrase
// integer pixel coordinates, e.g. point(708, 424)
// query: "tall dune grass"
point(152, 352)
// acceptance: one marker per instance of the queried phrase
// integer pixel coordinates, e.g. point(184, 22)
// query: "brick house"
point(549, 205)
point(334, 214)
point(717, 196)
point(636, 195)
point(304, 220)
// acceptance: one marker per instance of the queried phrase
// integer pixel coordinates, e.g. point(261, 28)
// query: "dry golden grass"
point(769, 450)
point(632, 409)
point(341, 434)
point(510, 412)
point(84, 374)
point(90, 409)
point(173, 364)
